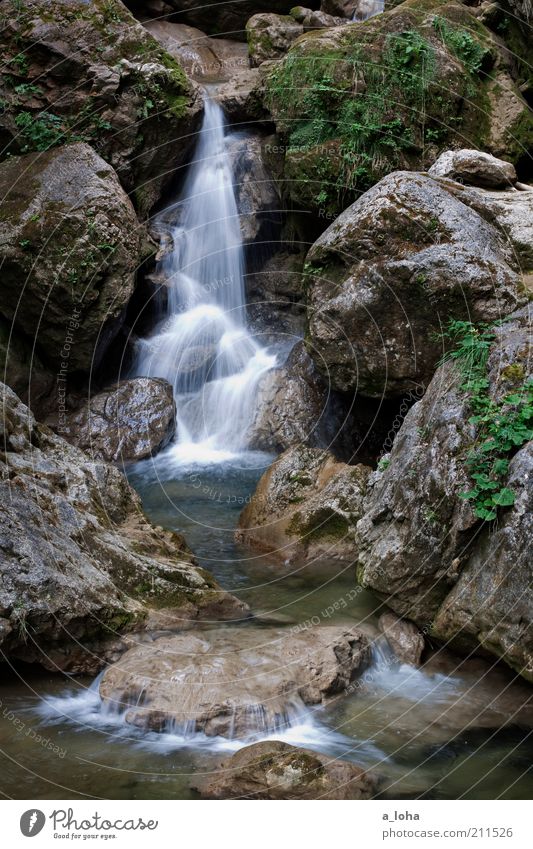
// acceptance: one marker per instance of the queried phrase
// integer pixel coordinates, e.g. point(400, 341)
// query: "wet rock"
point(293, 407)
point(232, 682)
point(403, 637)
point(90, 71)
point(388, 275)
point(270, 36)
point(305, 508)
point(80, 564)
point(70, 244)
point(256, 194)
point(475, 168)
point(420, 544)
point(274, 770)
point(205, 59)
point(129, 422)
point(242, 96)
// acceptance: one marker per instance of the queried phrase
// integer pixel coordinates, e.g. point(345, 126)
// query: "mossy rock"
point(78, 71)
point(386, 94)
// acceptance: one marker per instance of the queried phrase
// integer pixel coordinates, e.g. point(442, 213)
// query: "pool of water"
point(453, 729)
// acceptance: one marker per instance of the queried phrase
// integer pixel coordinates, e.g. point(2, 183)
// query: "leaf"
point(486, 515)
point(504, 498)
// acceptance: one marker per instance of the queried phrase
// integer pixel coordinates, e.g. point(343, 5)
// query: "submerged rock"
point(70, 244)
point(129, 422)
point(232, 682)
point(403, 637)
point(306, 507)
point(391, 271)
point(80, 564)
point(274, 770)
point(420, 544)
point(77, 70)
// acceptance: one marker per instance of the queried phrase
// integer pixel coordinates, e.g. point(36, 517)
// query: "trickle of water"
point(368, 9)
point(202, 345)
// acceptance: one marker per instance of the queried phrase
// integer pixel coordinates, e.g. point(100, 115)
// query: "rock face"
point(388, 275)
point(305, 508)
point(129, 422)
point(474, 167)
point(421, 546)
point(403, 637)
point(89, 71)
point(232, 682)
point(274, 770)
point(353, 103)
point(70, 244)
point(80, 564)
point(270, 36)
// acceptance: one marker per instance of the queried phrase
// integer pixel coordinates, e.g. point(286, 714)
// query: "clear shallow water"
point(437, 732)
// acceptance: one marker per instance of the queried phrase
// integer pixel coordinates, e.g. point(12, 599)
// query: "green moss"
point(381, 97)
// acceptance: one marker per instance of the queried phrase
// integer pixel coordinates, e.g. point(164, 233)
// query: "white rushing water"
point(202, 345)
point(368, 9)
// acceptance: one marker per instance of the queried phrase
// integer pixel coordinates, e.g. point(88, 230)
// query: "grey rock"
point(70, 243)
point(388, 275)
point(293, 407)
point(305, 508)
point(475, 168)
point(420, 545)
point(403, 637)
point(80, 564)
point(129, 422)
point(270, 36)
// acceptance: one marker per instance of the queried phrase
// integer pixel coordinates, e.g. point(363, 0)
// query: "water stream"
point(448, 730)
point(202, 345)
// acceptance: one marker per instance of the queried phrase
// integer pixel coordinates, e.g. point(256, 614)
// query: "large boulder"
point(74, 70)
point(233, 682)
point(80, 564)
point(305, 509)
point(128, 422)
point(70, 245)
point(274, 770)
point(420, 543)
point(355, 102)
point(391, 271)
point(270, 36)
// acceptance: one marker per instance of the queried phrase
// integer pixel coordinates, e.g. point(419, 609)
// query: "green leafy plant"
point(468, 50)
point(40, 132)
point(502, 426)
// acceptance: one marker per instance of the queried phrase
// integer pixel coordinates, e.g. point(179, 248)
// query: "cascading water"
point(202, 345)
point(368, 9)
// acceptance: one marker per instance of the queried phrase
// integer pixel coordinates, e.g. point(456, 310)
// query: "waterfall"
point(202, 345)
point(366, 9)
